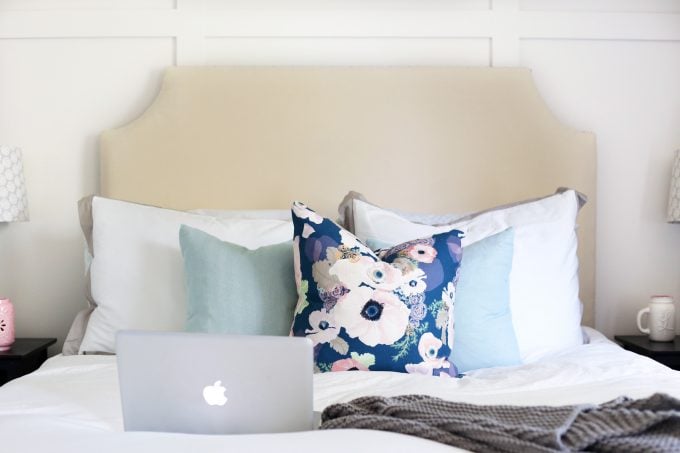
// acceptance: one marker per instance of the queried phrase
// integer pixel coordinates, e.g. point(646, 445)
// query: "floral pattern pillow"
point(362, 311)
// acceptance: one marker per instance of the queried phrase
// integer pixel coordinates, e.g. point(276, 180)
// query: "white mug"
point(661, 322)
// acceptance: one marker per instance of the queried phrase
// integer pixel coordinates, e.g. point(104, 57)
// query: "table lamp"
point(674, 196)
point(13, 202)
point(13, 208)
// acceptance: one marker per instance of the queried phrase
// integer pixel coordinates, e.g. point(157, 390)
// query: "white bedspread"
point(72, 403)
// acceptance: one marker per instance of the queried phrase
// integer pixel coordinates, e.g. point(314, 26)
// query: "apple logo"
point(214, 394)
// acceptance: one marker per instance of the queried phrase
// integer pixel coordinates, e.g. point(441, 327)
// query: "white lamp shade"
point(13, 201)
point(674, 197)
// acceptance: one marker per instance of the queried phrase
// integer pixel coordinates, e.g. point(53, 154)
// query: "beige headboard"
point(428, 139)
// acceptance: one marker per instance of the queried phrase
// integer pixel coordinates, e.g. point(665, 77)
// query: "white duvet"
point(72, 403)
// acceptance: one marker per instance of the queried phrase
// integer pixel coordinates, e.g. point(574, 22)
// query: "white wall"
point(71, 68)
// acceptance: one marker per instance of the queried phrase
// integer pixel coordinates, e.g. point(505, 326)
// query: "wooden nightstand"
point(667, 353)
point(26, 355)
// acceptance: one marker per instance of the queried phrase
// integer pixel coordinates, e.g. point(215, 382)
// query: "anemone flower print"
point(367, 272)
point(428, 348)
point(374, 317)
point(324, 328)
point(413, 282)
point(348, 364)
point(352, 273)
point(384, 311)
point(449, 294)
point(383, 276)
point(423, 253)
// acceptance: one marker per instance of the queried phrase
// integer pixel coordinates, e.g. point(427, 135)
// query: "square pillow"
point(544, 302)
point(364, 312)
point(137, 270)
point(234, 290)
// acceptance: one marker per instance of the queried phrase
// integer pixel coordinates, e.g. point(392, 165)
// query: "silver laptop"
point(214, 384)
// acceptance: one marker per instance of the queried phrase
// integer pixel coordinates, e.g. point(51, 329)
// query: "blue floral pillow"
point(364, 312)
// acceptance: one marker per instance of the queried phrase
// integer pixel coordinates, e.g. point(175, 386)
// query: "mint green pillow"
point(231, 289)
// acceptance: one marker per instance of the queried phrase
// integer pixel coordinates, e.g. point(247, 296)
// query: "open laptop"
point(214, 384)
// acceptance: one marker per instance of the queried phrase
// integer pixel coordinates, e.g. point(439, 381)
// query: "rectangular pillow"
point(346, 213)
point(546, 310)
point(74, 337)
point(234, 290)
point(77, 331)
point(267, 214)
point(137, 279)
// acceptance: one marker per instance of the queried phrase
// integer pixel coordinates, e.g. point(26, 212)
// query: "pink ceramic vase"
point(6, 324)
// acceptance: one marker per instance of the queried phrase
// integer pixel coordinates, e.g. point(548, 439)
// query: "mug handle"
point(639, 320)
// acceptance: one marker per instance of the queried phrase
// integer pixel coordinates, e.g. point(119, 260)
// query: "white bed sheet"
point(72, 402)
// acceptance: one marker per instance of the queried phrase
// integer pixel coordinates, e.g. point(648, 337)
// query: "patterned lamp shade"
point(13, 201)
point(674, 197)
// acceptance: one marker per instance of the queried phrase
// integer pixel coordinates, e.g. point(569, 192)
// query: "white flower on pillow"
point(324, 328)
point(367, 272)
point(302, 211)
point(428, 348)
point(413, 282)
point(374, 317)
point(350, 241)
point(307, 230)
point(449, 294)
point(384, 276)
point(322, 276)
point(352, 272)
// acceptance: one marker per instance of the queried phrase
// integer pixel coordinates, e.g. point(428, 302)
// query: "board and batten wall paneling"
point(71, 68)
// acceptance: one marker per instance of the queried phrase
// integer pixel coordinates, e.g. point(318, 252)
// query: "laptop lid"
point(214, 384)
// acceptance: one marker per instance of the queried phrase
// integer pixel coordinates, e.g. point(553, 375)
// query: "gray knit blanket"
point(622, 425)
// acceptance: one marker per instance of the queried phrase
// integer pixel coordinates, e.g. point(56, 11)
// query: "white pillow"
point(256, 214)
point(137, 274)
point(546, 310)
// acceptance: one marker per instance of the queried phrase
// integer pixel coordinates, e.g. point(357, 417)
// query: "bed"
point(259, 138)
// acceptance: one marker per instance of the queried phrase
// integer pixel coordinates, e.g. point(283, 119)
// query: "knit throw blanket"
point(645, 425)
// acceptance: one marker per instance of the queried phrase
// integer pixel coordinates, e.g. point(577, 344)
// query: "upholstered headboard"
point(428, 139)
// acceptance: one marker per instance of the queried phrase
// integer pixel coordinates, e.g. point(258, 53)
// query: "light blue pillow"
point(231, 289)
point(484, 334)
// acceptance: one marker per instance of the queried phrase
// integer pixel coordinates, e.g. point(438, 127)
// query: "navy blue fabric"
point(389, 313)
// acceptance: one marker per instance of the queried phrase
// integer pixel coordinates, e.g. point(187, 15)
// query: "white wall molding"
point(90, 23)
point(190, 37)
point(505, 39)
point(611, 26)
point(190, 23)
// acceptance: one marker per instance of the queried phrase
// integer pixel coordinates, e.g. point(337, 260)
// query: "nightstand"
point(667, 353)
point(26, 355)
